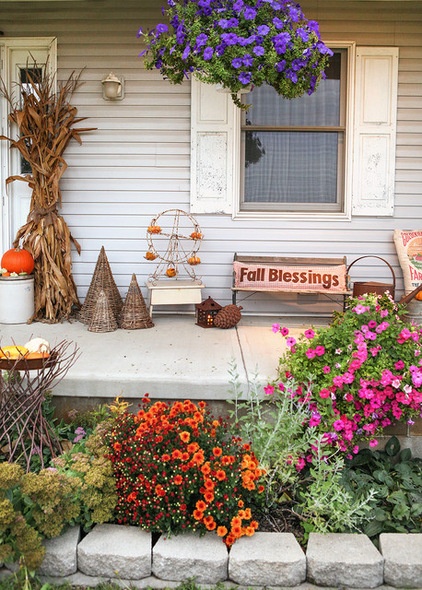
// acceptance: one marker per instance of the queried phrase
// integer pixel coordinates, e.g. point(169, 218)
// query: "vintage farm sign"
point(409, 251)
point(306, 278)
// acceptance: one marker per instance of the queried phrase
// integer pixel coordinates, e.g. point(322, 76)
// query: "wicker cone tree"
point(134, 314)
point(45, 121)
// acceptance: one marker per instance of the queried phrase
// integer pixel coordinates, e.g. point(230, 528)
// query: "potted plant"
point(238, 43)
point(45, 121)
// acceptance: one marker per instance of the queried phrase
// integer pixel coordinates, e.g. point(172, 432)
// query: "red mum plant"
point(177, 468)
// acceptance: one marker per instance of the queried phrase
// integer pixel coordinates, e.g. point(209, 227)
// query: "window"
point(27, 75)
point(330, 155)
point(293, 151)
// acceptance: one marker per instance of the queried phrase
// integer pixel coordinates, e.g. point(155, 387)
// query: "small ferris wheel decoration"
point(174, 238)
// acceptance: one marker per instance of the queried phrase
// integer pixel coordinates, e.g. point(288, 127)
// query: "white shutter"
point(375, 131)
point(215, 150)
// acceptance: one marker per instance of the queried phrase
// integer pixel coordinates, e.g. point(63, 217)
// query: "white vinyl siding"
point(137, 163)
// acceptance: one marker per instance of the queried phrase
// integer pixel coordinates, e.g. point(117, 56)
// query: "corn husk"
point(45, 121)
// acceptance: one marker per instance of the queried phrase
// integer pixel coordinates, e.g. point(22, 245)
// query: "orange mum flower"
point(248, 514)
point(209, 497)
point(236, 521)
point(198, 457)
point(217, 451)
point(131, 497)
point(198, 515)
point(166, 457)
point(200, 505)
point(208, 519)
point(192, 447)
point(206, 469)
point(178, 480)
point(236, 531)
point(222, 531)
point(221, 475)
point(241, 503)
point(160, 491)
point(117, 446)
point(176, 454)
point(185, 436)
point(209, 484)
point(202, 404)
point(211, 526)
point(229, 540)
point(249, 531)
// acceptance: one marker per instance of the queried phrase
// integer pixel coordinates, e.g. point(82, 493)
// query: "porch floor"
point(175, 359)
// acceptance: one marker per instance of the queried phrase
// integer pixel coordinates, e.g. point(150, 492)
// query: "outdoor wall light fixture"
point(113, 87)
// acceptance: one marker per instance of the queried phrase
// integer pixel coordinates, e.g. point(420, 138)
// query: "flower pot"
point(16, 299)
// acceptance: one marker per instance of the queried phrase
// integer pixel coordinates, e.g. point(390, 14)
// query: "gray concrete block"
point(111, 550)
point(180, 557)
point(61, 554)
point(267, 559)
point(403, 559)
point(349, 560)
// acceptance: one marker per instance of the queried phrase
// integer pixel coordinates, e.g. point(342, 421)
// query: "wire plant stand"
point(24, 383)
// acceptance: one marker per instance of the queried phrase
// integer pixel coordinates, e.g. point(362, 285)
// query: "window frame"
point(306, 212)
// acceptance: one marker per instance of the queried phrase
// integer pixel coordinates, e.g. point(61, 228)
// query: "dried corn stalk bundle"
point(45, 121)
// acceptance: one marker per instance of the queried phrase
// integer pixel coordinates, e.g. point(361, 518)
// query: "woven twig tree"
point(102, 280)
point(45, 121)
point(134, 314)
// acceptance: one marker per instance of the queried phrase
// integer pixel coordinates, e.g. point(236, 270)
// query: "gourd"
point(13, 352)
point(38, 345)
point(18, 260)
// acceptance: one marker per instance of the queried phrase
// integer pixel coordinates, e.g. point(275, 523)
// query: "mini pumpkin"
point(418, 296)
point(154, 229)
point(150, 255)
point(18, 260)
point(194, 260)
point(196, 235)
point(171, 272)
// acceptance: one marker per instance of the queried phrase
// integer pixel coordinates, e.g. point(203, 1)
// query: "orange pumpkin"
point(196, 235)
point(194, 260)
point(154, 229)
point(418, 296)
point(18, 260)
point(171, 272)
point(150, 255)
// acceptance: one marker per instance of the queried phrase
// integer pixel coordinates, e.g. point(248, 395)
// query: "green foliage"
point(395, 477)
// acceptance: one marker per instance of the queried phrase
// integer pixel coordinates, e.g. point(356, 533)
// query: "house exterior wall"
point(137, 163)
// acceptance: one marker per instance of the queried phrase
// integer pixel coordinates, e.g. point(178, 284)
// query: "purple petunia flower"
point(249, 13)
point(259, 50)
point(245, 77)
point(161, 28)
point(208, 53)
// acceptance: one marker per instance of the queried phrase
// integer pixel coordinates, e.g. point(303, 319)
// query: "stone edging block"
point(403, 559)
point(349, 560)
point(179, 558)
point(267, 559)
point(112, 550)
point(60, 554)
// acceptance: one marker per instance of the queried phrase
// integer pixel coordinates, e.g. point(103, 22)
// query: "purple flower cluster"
point(239, 42)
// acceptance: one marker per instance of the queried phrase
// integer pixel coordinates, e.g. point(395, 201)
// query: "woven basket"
point(103, 319)
point(360, 287)
point(102, 280)
point(134, 314)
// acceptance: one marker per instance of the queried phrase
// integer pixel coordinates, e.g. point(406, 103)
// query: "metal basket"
point(362, 287)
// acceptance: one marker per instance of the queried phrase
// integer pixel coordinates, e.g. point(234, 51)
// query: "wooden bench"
point(287, 274)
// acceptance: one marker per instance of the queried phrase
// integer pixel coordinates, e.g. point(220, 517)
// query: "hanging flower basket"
point(237, 43)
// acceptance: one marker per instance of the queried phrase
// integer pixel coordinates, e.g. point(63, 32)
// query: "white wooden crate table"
point(173, 292)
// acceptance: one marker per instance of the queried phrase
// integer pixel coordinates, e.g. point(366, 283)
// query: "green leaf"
point(405, 455)
point(392, 446)
point(374, 528)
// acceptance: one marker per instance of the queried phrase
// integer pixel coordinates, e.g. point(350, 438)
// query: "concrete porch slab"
point(176, 359)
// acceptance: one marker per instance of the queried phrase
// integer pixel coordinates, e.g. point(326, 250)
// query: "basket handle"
point(379, 258)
